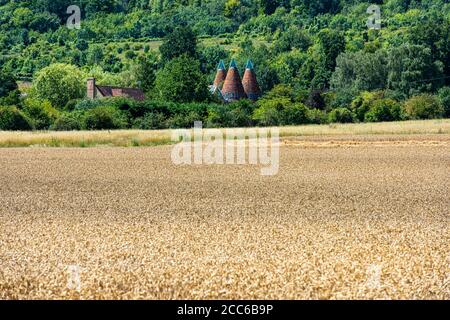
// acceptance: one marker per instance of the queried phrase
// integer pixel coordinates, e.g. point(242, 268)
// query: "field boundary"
point(143, 138)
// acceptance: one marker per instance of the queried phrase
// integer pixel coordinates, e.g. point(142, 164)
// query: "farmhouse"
point(95, 91)
point(229, 86)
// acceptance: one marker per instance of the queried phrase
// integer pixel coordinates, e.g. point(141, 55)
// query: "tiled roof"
point(108, 91)
point(221, 75)
point(250, 83)
point(232, 87)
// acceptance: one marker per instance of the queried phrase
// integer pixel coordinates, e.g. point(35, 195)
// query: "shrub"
point(41, 113)
point(424, 106)
point(184, 120)
point(444, 97)
point(87, 104)
point(71, 104)
point(294, 114)
point(104, 117)
point(364, 102)
point(269, 111)
point(151, 121)
point(316, 116)
point(13, 119)
point(236, 114)
point(11, 99)
point(68, 122)
point(341, 115)
point(130, 54)
point(384, 110)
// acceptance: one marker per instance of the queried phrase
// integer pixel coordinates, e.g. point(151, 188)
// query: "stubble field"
point(344, 218)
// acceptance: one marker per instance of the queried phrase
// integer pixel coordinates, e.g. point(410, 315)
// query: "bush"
point(364, 102)
point(88, 104)
point(151, 121)
point(11, 99)
point(68, 122)
point(341, 115)
point(104, 117)
point(236, 114)
point(316, 116)
point(294, 114)
point(384, 110)
point(424, 106)
point(269, 111)
point(41, 113)
point(71, 104)
point(13, 119)
point(184, 120)
point(444, 97)
point(130, 54)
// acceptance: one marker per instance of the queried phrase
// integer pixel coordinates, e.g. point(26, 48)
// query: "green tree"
point(182, 81)
point(332, 44)
point(7, 84)
point(181, 41)
point(412, 70)
point(444, 97)
point(59, 83)
point(145, 72)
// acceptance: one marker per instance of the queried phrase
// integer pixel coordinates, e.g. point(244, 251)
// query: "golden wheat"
point(362, 222)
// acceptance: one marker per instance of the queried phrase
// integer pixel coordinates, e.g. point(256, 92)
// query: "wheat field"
point(345, 218)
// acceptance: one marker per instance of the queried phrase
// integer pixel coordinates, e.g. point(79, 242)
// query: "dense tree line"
point(316, 61)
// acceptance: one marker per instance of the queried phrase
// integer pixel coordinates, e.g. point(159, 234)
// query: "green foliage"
point(7, 84)
point(13, 119)
point(104, 117)
point(59, 83)
point(409, 65)
point(444, 97)
point(41, 113)
point(316, 116)
point(151, 121)
point(424, 106)
point(341, 115)
point(280, 111)
point(182, 41)
point(384, 110)
point(236, 114)
point(68, 121)
point(269, 111)
point(182, 81)
point(145, 72)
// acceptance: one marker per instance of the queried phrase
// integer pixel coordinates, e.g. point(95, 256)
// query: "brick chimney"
point(91, 90)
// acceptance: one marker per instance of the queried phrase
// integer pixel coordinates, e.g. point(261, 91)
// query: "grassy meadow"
point(136, 138)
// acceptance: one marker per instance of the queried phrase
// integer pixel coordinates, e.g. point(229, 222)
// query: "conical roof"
point(220, 75)
point(250, 83)
point(232, 87)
